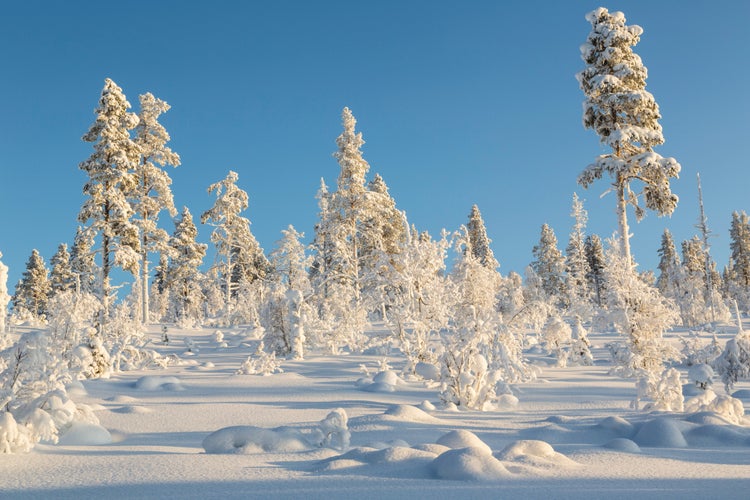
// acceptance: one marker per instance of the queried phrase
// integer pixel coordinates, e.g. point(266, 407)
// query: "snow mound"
point(464, 439)
point(468, 464)
point(718, 435)
point(122, 399)
point(245, 440)
point(617, 425)
point(741, 394)
point(76, 388)
point(133, 410)
point(156, 382)
point(426, 406)
point(383, 381)
point(506, 402)
point(534, 452)
point(407, 413)
point(661, 433)
point(85, 434)
point(623, 444)
point(427, 371)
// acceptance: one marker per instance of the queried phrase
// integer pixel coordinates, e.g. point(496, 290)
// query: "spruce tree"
point(595, 257)
point(576, 265)
point(625, 116)
point(32, 291)
point(61, 276)
point(480, 242)
point(739, 275)
point(183, 274)
point(82, 262)
point(152, 193)
point(669, 266)
point(549, 265)
point(110, 170)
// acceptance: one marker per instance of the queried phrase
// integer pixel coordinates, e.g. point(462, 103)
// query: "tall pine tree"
point(152, 193)
point(626, 118)
point(110, 170)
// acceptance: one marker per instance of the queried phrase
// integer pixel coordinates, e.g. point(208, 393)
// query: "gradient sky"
point(459, 103)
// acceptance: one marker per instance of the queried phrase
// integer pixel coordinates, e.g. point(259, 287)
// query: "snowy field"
point(199, 430)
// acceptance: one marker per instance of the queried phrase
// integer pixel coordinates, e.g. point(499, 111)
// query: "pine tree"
point(549, 264)
point(576, 265)
point(152, 194)
point(240, 258)
point(32, 291)
point(595, 257)
point(61, 276)
point(290, 262)
point(739, 277)
point(82, 262)
point(110, 169)
point(625, 116)
point(480, 243)
point(183, 274)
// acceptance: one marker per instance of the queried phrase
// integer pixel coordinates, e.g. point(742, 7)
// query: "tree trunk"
point(622, 220)
point(144, 282)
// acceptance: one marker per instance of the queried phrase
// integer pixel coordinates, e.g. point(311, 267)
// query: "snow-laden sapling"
point(580, 349)
point(734, 363)
point(702, 376)
point(261, 363)
point(556, 336)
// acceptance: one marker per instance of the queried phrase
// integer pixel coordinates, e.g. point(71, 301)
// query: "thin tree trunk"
point(144, 282)
point(622, 219)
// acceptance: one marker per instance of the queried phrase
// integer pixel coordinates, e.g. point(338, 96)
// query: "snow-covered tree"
point(286, 311)
point(669, 267)
point(576, 263)
point(642, 315)
point(290, 262)
point(595, 257)
point(419, 298)
point(481, 354)
point(738, 282)
point(82, 262)
point(557, 337)
point(183, 276)
point(733, 364)
point(626, 118)
point(480, 242)
point(61, 275)
point(110, 170)
point(239, 257)
point(152, 194)
point(549, 265)
point(32, 291)
point(4, 297)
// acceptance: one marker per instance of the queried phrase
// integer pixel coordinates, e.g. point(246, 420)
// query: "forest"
point(134, 282)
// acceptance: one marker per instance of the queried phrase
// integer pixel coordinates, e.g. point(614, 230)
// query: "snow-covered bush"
point(697, 352)
point(556, 336)
point(727, 407)
point(35, 404)
point(734, 363)
point(580, 349)
point(701, 375)
point(261, 363)
point(664, 390)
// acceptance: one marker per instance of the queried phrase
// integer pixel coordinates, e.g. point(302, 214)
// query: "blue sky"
point(459, 103)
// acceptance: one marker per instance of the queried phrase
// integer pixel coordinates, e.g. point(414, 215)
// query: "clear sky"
point(459, 103)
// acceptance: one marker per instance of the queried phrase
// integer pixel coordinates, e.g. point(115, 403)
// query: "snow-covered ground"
point(199, 430)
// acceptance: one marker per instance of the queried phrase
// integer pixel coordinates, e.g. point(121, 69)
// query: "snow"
point(310, 432)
